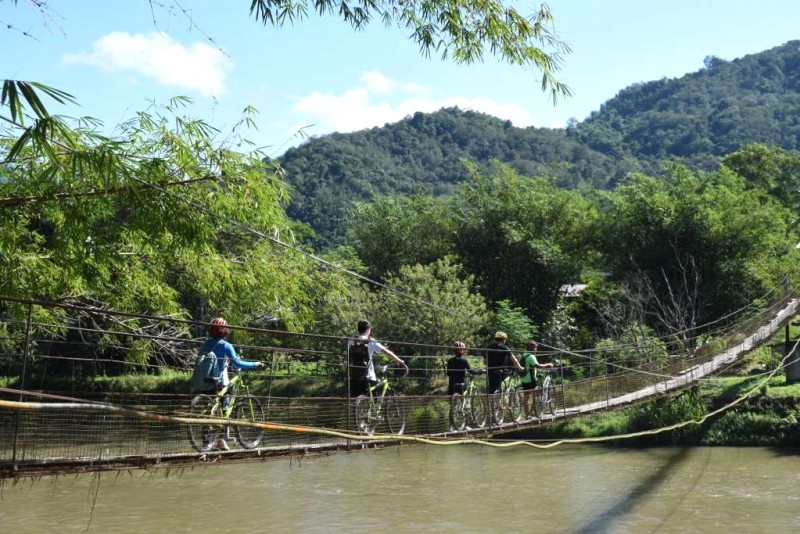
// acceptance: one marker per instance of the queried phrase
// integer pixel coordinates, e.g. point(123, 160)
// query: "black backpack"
point(358, 358)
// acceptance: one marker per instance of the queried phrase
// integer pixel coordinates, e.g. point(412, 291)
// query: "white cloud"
point(196, 67)
point(378, 100)
point(376, 82)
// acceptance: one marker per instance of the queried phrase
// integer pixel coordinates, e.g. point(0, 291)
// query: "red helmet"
point(218, 327)
point(460, 347)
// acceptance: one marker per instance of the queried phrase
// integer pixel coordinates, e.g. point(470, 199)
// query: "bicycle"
point(468, 409)
point(380, 402)
point(508, 399)
point(544, 396)
point(204, 436)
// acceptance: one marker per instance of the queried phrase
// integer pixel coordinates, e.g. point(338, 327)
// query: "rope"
point(272, 426)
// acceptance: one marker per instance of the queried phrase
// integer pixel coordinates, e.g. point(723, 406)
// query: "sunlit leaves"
point(464, 30)
point(163, 217)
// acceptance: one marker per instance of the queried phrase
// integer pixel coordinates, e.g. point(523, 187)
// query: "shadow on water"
point(785, 451)
point(605, 521)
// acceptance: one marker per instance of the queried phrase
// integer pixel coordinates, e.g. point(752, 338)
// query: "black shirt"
point(457, 369)
point(497, 356)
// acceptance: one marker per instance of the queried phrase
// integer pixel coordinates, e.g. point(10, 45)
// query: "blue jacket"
point(226, 355)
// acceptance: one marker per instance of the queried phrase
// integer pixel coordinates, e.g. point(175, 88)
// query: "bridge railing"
point(32, 348)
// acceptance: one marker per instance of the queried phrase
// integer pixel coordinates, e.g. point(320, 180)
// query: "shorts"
point(458, 387)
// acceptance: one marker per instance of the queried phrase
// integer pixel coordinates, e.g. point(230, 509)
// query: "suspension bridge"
point(51, 430)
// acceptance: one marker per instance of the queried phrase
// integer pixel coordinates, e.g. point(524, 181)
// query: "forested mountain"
point(424, 153)
point(697, 118)
point(705, 114)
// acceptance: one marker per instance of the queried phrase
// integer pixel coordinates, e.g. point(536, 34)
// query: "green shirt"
point(529, 362)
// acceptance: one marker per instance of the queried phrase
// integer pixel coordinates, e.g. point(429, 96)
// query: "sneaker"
point(221, 445)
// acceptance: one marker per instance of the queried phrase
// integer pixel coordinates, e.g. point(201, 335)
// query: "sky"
point(117, 57)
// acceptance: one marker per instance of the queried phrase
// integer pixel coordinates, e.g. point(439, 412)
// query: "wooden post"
point(22, 384)
point(792, 369)
point(793, 362)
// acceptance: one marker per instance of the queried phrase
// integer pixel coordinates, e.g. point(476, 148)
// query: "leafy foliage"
point(706, 114)
point(424, 154)
point(513, 321)
point(697, 118)
point(708, 226)
point(159, 219)
point(462, 29)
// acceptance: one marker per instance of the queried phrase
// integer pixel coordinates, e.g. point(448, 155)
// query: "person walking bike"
point(457, 368)
point(218, 331)
point(360, 365)
point(498, 357)
point(529, 377)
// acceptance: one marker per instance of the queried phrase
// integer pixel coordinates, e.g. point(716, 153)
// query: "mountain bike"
point(468, 409)
point(544, 402)
point(508, 399)
point(381, 402)
point(204, 436)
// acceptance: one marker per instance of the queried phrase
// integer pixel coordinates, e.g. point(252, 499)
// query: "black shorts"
point(530, 385)
point(359, 386)
point(457, 387)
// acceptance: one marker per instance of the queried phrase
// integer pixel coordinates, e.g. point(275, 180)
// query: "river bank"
point(768, 417)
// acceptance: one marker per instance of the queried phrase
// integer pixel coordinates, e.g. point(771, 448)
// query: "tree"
point(705, 241)
point(521, 238)
point(161, 220)
point(773, 169)
point(394, 231)
point(458, 311)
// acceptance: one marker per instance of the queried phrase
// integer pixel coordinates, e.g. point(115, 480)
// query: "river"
point(430, 489)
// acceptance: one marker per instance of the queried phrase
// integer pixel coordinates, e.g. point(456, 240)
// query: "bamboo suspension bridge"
point(71, 431)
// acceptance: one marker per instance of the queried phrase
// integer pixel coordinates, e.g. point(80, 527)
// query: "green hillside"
point(696, 118)
point(705, 114)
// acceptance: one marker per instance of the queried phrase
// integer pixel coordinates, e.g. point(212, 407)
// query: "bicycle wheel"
point(499, 407)
point(365, 418)
point(548, 402)
point(458, 412)
point(249, 409)
point(204, 436)
point(536, 402)
point(477, 411)
point(515, 406)
point(395, 412)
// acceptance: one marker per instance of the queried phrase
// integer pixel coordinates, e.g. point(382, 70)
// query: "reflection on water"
point(431, 489)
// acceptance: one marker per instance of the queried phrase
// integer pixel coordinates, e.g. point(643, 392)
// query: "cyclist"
point(530, 365)
point(361, 368)
point(457, 368)
point(498, 356)
point(218, 331)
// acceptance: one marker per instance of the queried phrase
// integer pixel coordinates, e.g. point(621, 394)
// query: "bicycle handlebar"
point(384, 368)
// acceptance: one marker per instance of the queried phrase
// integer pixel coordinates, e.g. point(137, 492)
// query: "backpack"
point(205, 374)
point(358, 358)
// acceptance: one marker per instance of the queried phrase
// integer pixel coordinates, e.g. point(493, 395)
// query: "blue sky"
point(116, 56)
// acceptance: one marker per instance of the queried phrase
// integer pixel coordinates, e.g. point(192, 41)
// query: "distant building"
point(571, 290)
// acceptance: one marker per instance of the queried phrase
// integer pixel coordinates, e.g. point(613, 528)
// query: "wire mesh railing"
point(47, 362)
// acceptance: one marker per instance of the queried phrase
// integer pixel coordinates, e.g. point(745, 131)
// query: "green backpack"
point(205, 373)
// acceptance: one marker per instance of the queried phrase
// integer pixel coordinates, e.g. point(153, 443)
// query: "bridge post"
point(26, 355)
point(793, 362)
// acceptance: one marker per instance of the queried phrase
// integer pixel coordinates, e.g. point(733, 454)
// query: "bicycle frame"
point(509, 398)
point(383, 385)
point(242, 407)
point(468, 409)
point(543, 401)
point(232, 387)
point(379, 400)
